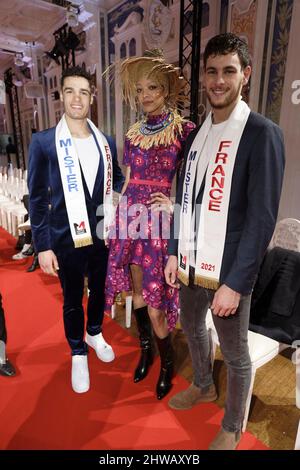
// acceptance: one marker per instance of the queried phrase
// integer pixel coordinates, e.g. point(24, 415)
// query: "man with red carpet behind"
point(73, 170)
point(229, 198)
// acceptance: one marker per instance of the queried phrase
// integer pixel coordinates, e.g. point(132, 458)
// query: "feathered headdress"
point(151, 64)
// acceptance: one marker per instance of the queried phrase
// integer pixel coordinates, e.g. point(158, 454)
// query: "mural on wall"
point(157, 23)
point(284, 10)
point(243, 23)
point(117, 17)
point(243, 20)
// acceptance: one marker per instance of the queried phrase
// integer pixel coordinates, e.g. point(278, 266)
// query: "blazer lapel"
point(100, 172)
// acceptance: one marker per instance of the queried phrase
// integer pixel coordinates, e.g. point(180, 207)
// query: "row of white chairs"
point(14, 171)
point(13, 186)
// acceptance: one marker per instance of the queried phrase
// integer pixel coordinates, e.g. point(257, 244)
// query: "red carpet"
point(38, 406)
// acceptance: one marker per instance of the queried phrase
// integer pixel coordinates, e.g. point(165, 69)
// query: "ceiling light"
point(72, 16)
point(33, 90)
point(59, 50)
point(53, 56)
point(19, 59)
point(72, 40)
point(16, 81)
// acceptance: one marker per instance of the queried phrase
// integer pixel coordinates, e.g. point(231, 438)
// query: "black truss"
point(189, 51)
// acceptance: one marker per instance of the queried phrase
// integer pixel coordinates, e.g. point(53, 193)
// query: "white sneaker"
point(103, 350)
point(20, 255)
point(80, 374)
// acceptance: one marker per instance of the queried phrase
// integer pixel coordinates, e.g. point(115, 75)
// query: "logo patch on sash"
point(80, 228)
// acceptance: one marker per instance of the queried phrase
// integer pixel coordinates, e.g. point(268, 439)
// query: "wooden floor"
point(273, 415)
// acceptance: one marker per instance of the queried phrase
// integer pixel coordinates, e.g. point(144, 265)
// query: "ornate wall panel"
point(283, 16)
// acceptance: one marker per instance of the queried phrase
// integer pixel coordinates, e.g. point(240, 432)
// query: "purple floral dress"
point(140, 235)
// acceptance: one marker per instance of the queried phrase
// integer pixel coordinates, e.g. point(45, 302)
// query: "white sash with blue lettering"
point(72, 182)
point(216, 165)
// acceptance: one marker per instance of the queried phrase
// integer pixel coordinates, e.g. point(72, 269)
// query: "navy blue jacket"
point(47, 208)
point(254, 201)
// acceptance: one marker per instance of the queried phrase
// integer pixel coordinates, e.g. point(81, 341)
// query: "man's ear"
point(61, 96)
point(247, 73)
point(93, 93)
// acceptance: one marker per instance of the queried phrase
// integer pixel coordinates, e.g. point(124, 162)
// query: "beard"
point(231, 98)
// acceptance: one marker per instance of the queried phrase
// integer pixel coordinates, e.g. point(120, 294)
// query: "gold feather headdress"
point(151, 65)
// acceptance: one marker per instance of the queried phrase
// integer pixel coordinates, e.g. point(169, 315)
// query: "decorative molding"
point(280, 44)
point(132, 20)
point(243, 24)
point(243, 5)
point(157, 23)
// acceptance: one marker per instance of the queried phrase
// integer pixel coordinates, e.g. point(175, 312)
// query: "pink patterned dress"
point(140, 235)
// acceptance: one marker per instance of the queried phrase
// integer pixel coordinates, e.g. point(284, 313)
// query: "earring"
point(165, 107)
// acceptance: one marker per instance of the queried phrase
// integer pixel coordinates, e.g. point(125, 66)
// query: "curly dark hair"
point(227, 43)
point(76, 71)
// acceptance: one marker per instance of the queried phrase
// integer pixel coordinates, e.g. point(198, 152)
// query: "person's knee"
point(137, 296)
point(235, 359)
point(157, 317)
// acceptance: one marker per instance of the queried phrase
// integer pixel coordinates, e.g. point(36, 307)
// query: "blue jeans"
point(233, 336)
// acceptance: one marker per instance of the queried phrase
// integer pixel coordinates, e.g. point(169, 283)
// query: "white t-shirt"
point(89, 158)
point(213, 135)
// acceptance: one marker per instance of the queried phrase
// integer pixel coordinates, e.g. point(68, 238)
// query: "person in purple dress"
point(138, 244)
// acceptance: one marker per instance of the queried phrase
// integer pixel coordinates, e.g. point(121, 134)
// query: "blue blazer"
point(254, 201)
point(47, 208)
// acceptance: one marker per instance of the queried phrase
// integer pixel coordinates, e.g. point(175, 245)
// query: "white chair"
point(297, 443)
point(17, 218)
point(262, 349)
point(287, 235)
point(128, 310)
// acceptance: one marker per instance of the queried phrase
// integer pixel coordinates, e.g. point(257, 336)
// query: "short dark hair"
point(76, 71)
point(227, 43)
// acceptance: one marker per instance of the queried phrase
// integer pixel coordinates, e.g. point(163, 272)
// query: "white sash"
point(219, 162)
point(72, 182)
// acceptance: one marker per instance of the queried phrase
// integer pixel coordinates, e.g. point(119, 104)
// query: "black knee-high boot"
point(164, 383)
point(145, 334)
point(35, 264)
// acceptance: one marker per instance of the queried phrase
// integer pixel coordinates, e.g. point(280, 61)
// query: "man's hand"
point(171, 272)
point(48, 262)
point(225, 302)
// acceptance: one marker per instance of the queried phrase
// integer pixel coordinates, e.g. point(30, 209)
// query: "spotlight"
point(16, 81)
point(59, 50)
point(19, 59)
point(72, 40)
point(61, 47)
point(53, 56)
point(72, 15)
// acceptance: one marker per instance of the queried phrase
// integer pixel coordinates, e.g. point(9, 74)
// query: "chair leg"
point(297, 354)
point(297, 442)
point(128, 303)
point(113, 311)
point(213, 347)
point(248, 401)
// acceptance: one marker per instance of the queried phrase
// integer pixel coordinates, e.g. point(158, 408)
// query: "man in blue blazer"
point(73, 169)
point(228, 197)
